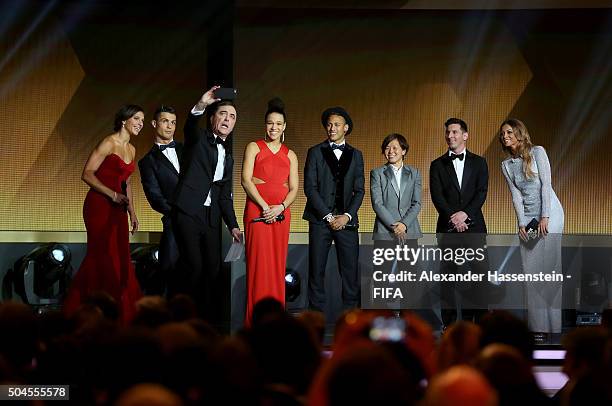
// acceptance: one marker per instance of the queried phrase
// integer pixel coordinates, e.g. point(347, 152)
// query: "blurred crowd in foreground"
point(168, 356)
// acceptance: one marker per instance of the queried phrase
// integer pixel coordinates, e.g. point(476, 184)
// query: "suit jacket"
point(197, 172)
point(393, 204)
point(449, 198)
point(320, 182)
point(159, 178)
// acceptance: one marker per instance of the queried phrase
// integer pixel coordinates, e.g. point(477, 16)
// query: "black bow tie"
point(456, 156)
point(171, 144)
point(221, 141)
point(336, 146)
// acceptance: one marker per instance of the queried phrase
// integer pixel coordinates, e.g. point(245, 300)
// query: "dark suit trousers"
point(163, 282)
point(320, 238)
point(169, 260)
point(200, 249)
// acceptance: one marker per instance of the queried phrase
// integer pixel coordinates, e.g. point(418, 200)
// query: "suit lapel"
point(163, 159)
point(227, 166)
point(406, 175)
point(391, 178)
point(467, 168)
point(333, 162)
point(450, 169)
point(329, 157)
point(179, 152)
point(345, 158)
point(213, 154)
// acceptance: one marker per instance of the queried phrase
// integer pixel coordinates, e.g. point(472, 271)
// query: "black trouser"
point(199, 245)
point(165, 283)
point(469, 297)
point(320, 237)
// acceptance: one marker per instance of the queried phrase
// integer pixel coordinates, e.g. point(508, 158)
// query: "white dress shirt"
point(219, 168)
point(397, 172)
point(458, 165)
point(170, 153)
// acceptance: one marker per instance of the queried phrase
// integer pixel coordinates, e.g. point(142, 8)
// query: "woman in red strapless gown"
point(107, 265)
point(270, 179)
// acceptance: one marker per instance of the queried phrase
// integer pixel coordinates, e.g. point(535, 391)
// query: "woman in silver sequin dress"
point(527, 171)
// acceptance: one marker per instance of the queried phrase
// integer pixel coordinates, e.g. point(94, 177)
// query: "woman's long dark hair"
point(125, 113)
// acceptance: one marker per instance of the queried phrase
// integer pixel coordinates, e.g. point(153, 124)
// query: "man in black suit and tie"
point(204, 196)
point(458, 181)
point(334, 188)
point(159, 174)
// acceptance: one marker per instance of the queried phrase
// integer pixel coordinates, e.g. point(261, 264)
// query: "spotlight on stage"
point(148, 271)
point(593, 295)
point(292, 285)
point(41, 277)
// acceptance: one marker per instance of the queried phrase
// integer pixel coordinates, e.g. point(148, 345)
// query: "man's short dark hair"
point(453, 120)
point(391, 137)
point(212, 109)
point(125, 113)
point(163, 109)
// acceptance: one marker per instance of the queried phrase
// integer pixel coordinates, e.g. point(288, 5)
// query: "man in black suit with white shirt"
point(334, 188)
point(458, 181)
point(159, 174)
point(204, 196)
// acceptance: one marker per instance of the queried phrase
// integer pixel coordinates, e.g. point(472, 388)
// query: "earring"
point(283, 137)
point(265, 137)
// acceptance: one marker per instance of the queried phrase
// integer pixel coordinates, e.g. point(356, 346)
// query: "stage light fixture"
point(148, 271)
point(41, 277)
point(292, 285)
point(593, 290)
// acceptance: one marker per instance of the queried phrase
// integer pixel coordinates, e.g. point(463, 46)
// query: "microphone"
point(280, 217)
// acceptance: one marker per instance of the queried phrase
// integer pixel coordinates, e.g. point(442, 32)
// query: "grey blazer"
point(392, 205)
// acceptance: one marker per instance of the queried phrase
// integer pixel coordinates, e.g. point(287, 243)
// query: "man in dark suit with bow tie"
point(159, 174)
point(458, 182)
point(334, 188)
point(204, 196)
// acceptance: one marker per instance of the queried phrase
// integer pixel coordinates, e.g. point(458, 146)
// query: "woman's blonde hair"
point(523, 149)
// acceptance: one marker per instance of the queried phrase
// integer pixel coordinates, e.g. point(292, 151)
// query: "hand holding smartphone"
point(226, 93)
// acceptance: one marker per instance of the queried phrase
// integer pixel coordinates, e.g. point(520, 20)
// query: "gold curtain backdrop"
point(60, 92)
point(409, 76)
point(405, 74)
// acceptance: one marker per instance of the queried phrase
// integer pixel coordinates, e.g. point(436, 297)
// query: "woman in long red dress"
point(270, 179)
point(107, 265)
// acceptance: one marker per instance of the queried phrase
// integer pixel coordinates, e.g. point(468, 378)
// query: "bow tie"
point(336, 146)
point(224, 143)
point(456, 156)
point(171, 144)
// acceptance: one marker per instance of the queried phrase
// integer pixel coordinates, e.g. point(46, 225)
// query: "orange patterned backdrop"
point(402, 72)
point(408, 74)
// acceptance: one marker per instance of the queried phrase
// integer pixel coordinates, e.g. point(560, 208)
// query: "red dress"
point(267, 244)
point(107, 265)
